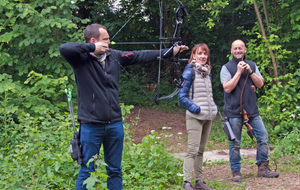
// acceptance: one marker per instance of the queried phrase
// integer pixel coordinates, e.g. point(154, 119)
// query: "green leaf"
point(57, 166)
point(9, 14)
point(90, 182)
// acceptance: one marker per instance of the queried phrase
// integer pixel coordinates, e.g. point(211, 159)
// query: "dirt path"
point(145, 120)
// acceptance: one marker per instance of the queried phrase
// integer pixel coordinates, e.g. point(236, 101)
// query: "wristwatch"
point(251, 73)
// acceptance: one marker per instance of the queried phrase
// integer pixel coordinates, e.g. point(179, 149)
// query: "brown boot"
point(200, 184)
point(264, 171)
point(236, 176)
point(187, 186)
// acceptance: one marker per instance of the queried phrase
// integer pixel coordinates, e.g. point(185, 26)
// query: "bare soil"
point(144, 120)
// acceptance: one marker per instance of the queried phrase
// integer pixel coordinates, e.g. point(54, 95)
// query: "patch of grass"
point(213, 184)
point(209, 145)
point(219, 185)
point(210, 163)
point(213, 145)
point(289, 164)
point(247, 160)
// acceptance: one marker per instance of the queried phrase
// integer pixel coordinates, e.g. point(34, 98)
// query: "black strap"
point(193, 78)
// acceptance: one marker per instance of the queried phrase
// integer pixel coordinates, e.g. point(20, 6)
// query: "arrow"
point(117, 43)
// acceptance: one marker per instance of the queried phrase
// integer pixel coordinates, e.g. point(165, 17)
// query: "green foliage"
point(34, 153)
point(150, 165)
point(97, 178)
point(30, 34)
point(35, 96)
point(281, 105)
point(219, 185)
point(130, 90)
point(289, 144)
point(217, 132)
point(34, 121)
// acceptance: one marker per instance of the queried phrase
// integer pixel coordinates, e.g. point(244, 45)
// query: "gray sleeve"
point(225, 75)
point(257, 71)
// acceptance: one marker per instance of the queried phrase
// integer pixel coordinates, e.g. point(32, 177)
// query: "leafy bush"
point(37, 130)
point(149, 166)
point(34, 152)
point(289, 144)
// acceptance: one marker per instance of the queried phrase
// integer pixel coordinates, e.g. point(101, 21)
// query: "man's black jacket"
point(98, 88)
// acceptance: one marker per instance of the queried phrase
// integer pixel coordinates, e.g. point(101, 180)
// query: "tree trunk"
point(266, 14)
point(265, 38)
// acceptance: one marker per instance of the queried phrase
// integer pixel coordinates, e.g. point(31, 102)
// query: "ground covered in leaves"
point(145, 120)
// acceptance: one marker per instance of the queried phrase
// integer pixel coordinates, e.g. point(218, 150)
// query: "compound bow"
point(181, 12)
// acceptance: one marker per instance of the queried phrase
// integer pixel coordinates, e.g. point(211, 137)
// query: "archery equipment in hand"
point(245, 122)
point(181, 12)
point(75, 149)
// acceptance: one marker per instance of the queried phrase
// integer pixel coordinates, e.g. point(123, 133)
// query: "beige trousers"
point(198, 132)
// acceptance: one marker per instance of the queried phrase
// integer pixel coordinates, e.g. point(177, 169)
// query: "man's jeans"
point(92, 136)
point(261, 135)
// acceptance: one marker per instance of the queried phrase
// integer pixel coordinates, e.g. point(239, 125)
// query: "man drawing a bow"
point(97, 72)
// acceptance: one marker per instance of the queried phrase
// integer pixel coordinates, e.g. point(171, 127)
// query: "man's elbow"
point(261, 84)
point(227, 90)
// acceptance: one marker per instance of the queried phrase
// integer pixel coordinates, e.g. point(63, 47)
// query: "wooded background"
point(31, 32)
point(35, 126)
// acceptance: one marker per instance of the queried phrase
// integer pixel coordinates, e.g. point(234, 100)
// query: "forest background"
point(35, 125)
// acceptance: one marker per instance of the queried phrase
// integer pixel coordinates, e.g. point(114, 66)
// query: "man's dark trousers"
point(92, 136)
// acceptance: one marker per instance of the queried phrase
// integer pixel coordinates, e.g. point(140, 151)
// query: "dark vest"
point(232, 99)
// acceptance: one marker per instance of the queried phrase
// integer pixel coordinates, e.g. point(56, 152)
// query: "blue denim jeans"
point(92, 136)
point(261, 135)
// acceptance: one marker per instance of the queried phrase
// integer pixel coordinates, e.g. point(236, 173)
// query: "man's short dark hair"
point(92, 31)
